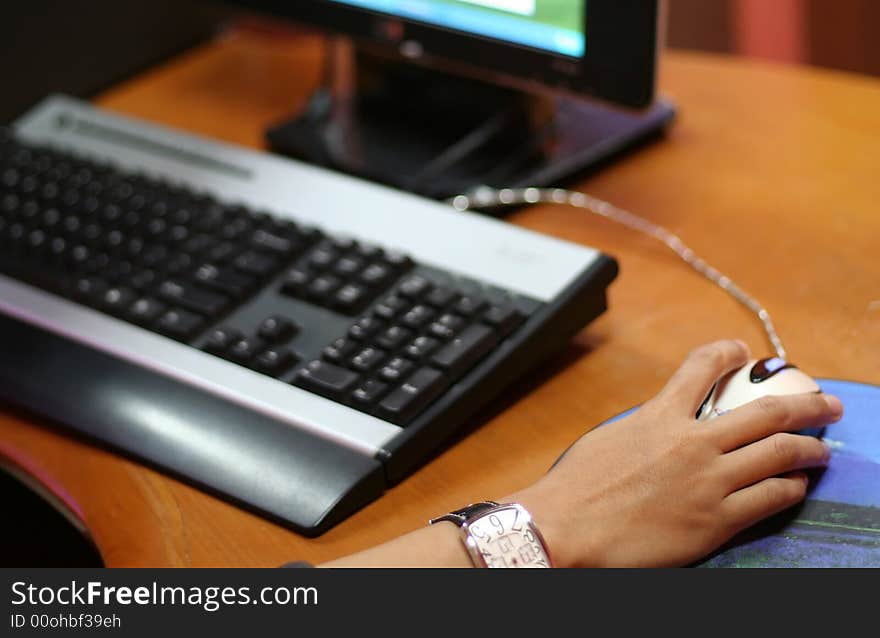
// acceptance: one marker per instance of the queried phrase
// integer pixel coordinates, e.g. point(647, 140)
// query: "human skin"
point(659, 488)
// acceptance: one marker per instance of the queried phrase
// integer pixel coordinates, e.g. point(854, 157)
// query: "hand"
point(659, 488)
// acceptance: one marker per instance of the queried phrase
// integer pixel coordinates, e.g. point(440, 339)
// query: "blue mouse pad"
point(839, 523)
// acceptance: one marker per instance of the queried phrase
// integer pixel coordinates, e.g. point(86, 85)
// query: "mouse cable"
point(485, 197)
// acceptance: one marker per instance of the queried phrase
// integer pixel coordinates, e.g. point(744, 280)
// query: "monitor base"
point(439, 135)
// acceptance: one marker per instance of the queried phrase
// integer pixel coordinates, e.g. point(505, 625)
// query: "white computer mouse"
point(758, 378)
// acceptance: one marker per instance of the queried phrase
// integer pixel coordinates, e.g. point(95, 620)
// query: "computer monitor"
point(473, 92)
point(604, 48)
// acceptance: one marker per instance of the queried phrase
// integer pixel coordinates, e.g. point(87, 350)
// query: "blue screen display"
point(556, 26)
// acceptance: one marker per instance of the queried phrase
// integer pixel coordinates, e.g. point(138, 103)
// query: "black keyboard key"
point(36, 241)
point(114, 241)
point(156, 227)
point(209, 219)
point(396, 369)
point(143, 279)
point(50, 219)
point(235, 228)
point(97, 263)
point(178, 263)
point(224, 279)
point(134, 248)
point(177, 234)
point(326, 379)
point(368, 393)
point(393, 338)
point(340, 350)
point(446, 327)
point(391, 307)
point(460, 354)
point(222, 252)
point(9, 204)
point(193, 298)
point(154, 257)
point(10, 178)
point(119, 271)
point(343, 244)
point(182, 217)
point(269, 242)
point(57, 248)
point(245, 350)
point(277, 329)
point(285, 228)
point(322, 287)
point(180, 324)
point(413, 396)
point(505, 318)
point(90, 289)
point(296, 282)
point(309, 234)
point(398, 261)
point(275, 361)
point(420, 348)
point(79, 255)
point(256, 263)
point(350, 299)
point(368, 359)
point(348, 266)
point(198, 244)
point(414, 287)
point(376, 275)
point(441, 297)
point(221, 339)
point(364, 328)
point(369, 252)
point(145, 310)
point(469, 305)
point(322, 258)
point(418, 316)
point(117, 299)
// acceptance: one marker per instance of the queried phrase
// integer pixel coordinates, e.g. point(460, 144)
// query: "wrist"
point(566, 548)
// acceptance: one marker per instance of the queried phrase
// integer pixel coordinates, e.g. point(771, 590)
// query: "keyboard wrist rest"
point(289, 475)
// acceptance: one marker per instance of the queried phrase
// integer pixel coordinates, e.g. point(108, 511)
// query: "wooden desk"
point(772, 174)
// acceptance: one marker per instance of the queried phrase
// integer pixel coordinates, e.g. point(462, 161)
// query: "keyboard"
point(285, 337)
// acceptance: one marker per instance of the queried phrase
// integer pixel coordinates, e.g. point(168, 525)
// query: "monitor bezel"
point(619, 66)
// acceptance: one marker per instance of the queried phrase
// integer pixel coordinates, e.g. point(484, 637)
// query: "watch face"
point(506, 538)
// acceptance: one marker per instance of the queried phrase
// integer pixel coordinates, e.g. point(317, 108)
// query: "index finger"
point(692, 382)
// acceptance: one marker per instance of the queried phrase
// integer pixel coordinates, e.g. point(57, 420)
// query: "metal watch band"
point(461, 516)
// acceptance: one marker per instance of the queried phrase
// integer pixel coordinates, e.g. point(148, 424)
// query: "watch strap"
point(463, 515)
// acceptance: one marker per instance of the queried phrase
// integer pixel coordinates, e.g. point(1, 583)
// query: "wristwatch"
point(499, 535)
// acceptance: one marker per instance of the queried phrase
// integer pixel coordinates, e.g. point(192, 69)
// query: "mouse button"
point(706, 406)
point(766, 368)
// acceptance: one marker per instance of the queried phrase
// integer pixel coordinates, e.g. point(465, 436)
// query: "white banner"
point(522, 7)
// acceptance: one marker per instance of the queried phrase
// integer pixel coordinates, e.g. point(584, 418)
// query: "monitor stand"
point(438, 134)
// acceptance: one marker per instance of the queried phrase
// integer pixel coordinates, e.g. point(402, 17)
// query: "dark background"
point(839, 34)
point(84, 46)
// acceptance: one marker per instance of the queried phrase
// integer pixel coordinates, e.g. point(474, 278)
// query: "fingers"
point(778, 454)
point(747, 506)
point(771, 414)
point(691, 383)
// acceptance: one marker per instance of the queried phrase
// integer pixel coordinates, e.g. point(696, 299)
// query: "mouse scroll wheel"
point(766, 368)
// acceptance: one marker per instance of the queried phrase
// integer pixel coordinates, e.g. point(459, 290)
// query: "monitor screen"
point(599, 48)
point(557, 26)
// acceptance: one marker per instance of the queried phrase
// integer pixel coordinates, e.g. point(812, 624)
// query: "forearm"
point(441, 545)
point(434, 546)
